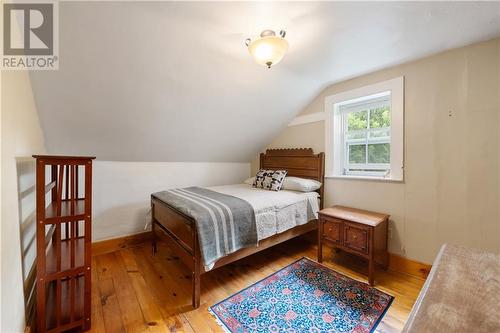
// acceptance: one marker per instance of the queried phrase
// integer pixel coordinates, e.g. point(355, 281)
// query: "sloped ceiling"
point(173, 81)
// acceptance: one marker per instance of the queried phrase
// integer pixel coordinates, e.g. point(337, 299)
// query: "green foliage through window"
point(379, 153)
point(368, 136)
point(357, 154)
point(357, 120)
point(380, 117)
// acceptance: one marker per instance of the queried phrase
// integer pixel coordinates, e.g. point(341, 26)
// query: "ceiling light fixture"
point(269, 49)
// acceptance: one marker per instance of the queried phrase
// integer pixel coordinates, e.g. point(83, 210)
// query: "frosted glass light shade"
point(268, 50)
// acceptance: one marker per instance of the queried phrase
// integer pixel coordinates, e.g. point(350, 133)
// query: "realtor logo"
point(29, 38)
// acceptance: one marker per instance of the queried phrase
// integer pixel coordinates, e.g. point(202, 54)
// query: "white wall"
point(21, 136)
point(26, 181)
point(451, 190)
point(202, 82)
point(122, 190)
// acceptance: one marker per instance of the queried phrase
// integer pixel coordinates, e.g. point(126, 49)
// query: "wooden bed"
point(176, 229)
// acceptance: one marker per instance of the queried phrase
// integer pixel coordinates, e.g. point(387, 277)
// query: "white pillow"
point(300, 184)
point(249, 181)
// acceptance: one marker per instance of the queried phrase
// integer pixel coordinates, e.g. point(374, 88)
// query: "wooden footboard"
point(178, 232)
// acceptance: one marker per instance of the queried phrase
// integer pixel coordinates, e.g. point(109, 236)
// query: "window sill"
point(366, 178)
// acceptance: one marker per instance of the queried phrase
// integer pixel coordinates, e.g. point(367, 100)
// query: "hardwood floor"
point(134, 291)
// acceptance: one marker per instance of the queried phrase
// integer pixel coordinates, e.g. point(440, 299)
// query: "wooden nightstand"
point(357, 231)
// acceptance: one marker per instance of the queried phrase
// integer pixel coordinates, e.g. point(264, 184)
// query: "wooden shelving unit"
point(64, 218)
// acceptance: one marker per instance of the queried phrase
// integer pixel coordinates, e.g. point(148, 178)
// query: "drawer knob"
point(330, 229)
point(354, 236)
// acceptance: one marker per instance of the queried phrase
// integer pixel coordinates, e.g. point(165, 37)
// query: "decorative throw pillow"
point(259, 178)
point(273, 180)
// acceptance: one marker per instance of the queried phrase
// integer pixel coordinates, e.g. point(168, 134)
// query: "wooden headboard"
point(299, 162)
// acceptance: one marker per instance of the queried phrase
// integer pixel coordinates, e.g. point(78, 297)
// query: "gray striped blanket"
point(224, 223)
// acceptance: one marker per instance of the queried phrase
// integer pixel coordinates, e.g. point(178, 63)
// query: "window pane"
point(357, 120)
point(356, 135)
point(357, 154)
point(379, 153)
point(380, 134)
point(380, 117)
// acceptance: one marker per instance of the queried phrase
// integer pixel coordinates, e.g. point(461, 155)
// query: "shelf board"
point(65, 158)
point(51, 256)
point(51, 303)
point(79, 209)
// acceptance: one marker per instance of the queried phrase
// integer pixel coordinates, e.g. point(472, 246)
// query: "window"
point(366, 136)
point(365, 132)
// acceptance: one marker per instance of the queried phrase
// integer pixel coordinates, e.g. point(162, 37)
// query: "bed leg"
point(154, 246)
point(196, 287)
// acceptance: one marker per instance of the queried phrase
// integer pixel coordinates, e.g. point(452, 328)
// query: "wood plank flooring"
point(134, 291)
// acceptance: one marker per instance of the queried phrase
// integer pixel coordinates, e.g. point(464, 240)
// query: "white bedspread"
point(275, 212)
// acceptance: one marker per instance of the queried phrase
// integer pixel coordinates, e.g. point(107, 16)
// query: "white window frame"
point(334, 144)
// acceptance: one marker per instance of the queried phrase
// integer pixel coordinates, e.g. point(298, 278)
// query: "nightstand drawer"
point(332, 230)
point(356, 237)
